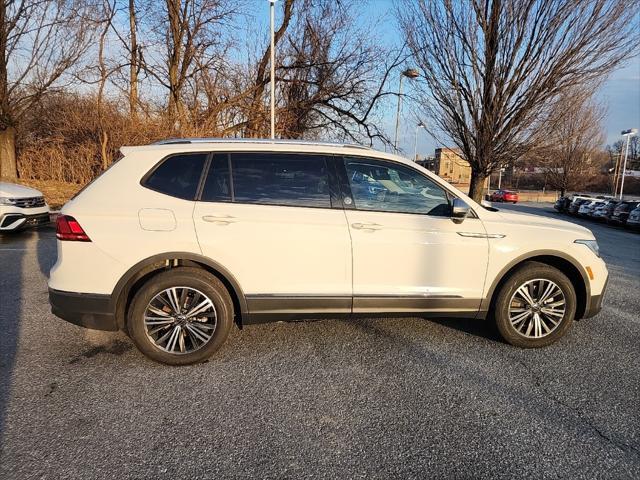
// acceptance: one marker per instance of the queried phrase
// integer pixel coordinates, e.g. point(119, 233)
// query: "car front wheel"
point(180, 316)
point(535, 306)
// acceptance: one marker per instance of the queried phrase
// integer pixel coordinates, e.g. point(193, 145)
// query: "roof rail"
point(262, 141)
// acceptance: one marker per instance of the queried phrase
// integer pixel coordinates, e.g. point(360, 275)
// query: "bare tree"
point(189, 32)
point(573, 137)
point(41, 40)
point(331, 75)
point(492, 69)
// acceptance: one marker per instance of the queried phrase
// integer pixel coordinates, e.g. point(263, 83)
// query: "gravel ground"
point(329, 399)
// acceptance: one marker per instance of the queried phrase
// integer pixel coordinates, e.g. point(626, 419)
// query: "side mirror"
point(459, 210)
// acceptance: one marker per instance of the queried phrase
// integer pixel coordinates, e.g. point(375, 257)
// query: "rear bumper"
point(87, 310)
point(595, 302)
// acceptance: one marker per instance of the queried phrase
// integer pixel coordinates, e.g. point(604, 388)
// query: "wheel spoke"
point(172, 295)
point(201, 307)
point(181, 341)
point(524, 293)
point(199, 334)
point(551, 287)
point(157, 311)
point(171, 344)
point(520, 317)
point(158, 320)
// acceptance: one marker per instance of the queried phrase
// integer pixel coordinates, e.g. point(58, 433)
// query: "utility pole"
point(272, 78)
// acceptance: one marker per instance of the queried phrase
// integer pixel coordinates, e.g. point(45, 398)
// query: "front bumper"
point(87, 310)
point(594, 305)
point(16, 221)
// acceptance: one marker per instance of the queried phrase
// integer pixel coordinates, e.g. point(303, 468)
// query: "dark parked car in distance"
point(633, 222)
point(621, 213)
point(603, 211)
point(562, 204)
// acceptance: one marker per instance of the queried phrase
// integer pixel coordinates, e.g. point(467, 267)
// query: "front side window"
point(280, 179)
point(389, 187)
point(177, 175)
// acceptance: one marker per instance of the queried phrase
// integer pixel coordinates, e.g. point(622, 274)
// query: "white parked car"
point(587, 208)
point(179, 240)
point(21, 207)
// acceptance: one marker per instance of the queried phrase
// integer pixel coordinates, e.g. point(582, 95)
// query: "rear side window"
point(177, 175)
point(270, 179)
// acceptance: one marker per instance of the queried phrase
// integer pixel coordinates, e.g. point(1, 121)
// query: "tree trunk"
point(133, 62)
point(8, 165)
point(476, 186)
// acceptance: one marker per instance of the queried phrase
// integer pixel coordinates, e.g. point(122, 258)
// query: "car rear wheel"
point(181, 316)
point(535, 306)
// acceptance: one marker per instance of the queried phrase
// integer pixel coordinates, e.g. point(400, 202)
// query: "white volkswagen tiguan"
point(180, 239)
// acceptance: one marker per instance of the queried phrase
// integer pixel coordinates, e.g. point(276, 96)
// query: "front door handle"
point(366, 226)
point(219, 219)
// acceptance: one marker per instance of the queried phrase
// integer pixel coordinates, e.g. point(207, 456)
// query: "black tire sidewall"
point(530, 271)
point(188, 277)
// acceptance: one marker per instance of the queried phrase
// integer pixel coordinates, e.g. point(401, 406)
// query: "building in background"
point(450, 166)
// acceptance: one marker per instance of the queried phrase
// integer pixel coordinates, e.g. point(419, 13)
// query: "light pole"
point(409, 73)
point(415, 142)
point(627, 133)
point(272, 78)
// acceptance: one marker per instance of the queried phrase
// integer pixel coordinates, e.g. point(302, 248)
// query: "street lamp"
point(415, 142)
point(626, 133)
point(409, 73)
point(272, 78)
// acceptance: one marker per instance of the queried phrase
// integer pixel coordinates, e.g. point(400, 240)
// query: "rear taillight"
point(68, 228)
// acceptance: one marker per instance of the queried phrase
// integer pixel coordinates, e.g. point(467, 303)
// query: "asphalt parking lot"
point(384, 398)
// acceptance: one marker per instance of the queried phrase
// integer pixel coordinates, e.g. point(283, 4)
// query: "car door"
point(268, 219)
point(408, 254)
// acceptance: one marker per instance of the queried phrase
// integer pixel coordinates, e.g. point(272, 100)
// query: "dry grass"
point(56, 193)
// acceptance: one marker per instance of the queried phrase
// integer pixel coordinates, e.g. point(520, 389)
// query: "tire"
point(519, 332)
point(185, 333)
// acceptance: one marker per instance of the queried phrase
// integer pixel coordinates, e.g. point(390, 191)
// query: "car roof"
point(178, 145)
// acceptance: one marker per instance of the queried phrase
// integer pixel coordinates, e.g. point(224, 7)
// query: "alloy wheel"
point(537, 308)
point(180, 320)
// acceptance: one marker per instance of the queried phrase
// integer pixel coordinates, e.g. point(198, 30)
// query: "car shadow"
point(480, 328)
point(12, 251)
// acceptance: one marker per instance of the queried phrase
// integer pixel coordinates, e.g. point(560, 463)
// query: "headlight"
point(592, 244)
point(7, 201)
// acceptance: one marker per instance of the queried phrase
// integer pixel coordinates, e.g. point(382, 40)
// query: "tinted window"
point(391, 187)
point(217, 186)
point(178, 175)
point(280, 179)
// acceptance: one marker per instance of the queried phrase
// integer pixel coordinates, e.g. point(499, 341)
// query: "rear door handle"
point(219, 219)
point(366, 226)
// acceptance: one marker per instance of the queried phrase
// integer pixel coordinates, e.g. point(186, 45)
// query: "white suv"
point(179, 240)
point(21, 207)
